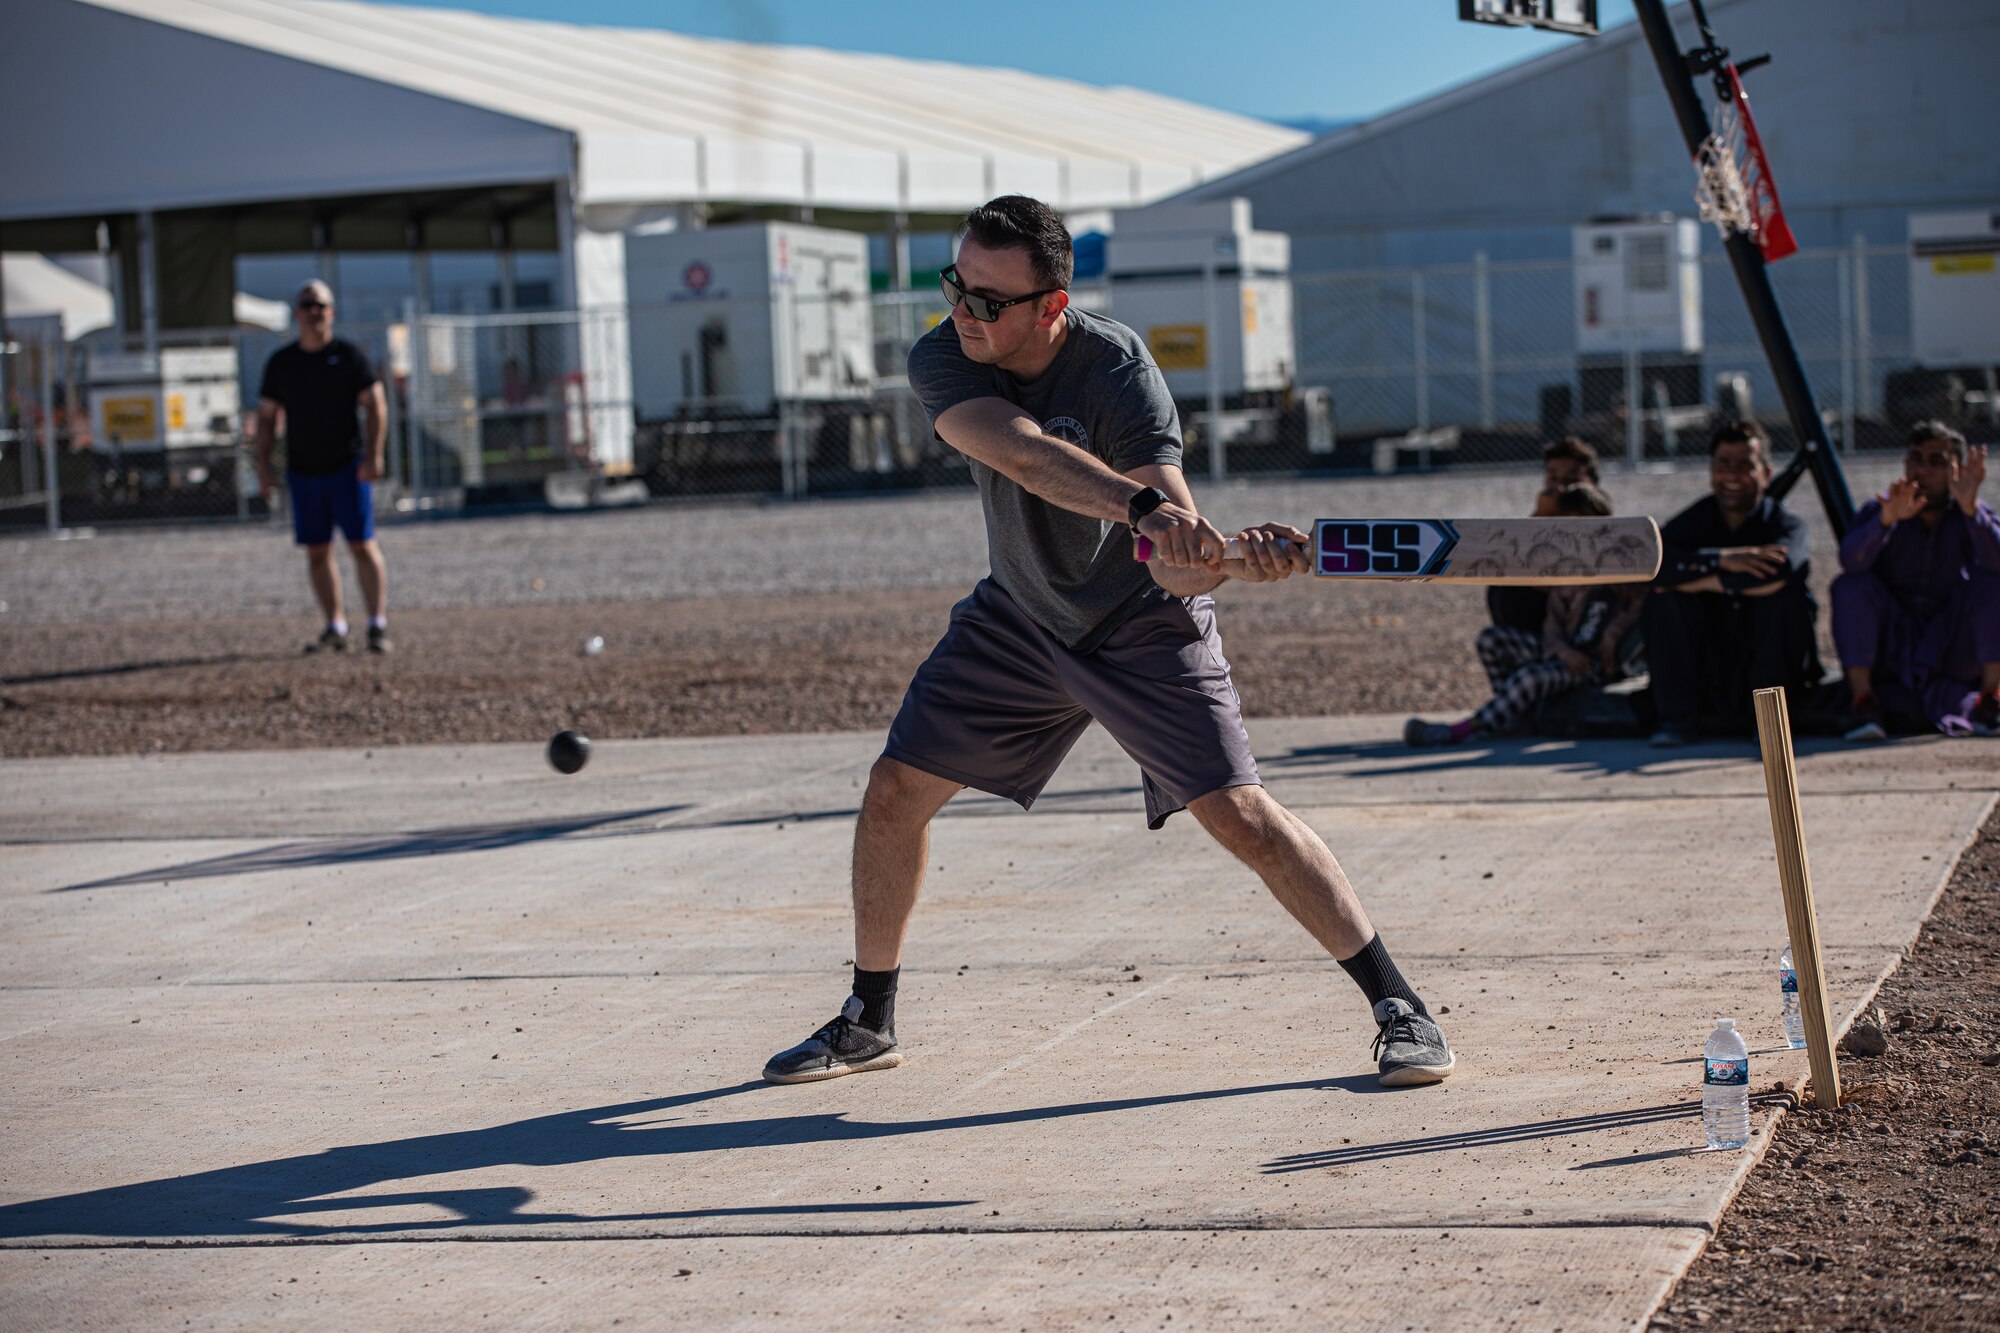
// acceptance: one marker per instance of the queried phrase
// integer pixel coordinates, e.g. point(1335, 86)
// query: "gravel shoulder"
point(1884, 1214)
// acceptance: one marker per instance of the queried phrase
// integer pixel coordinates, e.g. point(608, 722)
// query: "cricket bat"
point(1514, 551)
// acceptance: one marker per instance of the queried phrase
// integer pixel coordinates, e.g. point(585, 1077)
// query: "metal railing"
point(1385, 369)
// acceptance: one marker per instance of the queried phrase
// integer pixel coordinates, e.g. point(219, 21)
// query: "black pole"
point(1815, 451)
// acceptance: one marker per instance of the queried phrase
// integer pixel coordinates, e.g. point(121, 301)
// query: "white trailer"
point(1212, 297)
point(175, 398)
point(734, 320)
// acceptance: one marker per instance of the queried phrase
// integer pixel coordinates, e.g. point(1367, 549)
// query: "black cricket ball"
point(568, 751)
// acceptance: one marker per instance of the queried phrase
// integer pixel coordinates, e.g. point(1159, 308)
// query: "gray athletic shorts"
point(1000, 701)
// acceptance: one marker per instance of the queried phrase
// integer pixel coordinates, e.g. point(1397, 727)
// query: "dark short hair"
point(1926, 431)
point(1741, 432)
point(1016, 222)
point(1582, 501)
point(1569, 446)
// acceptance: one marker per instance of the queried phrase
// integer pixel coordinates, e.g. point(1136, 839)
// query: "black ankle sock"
point(1375, 972)
point(877, 993)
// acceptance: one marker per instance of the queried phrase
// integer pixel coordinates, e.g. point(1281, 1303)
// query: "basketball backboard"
point(1572, 16)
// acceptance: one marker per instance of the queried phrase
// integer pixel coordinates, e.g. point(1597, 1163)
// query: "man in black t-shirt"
point(321, 383)
point(1731, 611)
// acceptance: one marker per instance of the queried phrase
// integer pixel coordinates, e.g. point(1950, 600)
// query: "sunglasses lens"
point(978, 307)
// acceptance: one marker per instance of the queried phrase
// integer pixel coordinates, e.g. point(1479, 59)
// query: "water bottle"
point(1725, 1087)
point(1591, 628)
point(1788, 983)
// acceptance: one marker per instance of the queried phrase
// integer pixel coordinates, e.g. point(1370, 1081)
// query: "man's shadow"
point(1593, 759)
point(265, 1199)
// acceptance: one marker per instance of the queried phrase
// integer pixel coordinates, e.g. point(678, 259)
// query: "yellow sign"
point(1946, 265)
point(1249, 309)
point(177, 417)
point(131, 420)
point(1179, 346)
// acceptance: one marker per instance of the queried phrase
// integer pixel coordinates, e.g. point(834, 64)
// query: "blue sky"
point(1281, 59)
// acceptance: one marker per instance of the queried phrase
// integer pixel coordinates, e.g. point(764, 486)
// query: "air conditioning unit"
point(1638, 300)
point(1638, 287)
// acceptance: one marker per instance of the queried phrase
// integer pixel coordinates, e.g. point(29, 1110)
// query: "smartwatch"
point(1144, 503)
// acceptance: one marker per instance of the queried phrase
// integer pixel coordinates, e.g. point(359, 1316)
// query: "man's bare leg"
point(1293, 861)
point(1303, 875)
point(325, 580)
point(373, 575)
point(892, 840)
point(1860, 681)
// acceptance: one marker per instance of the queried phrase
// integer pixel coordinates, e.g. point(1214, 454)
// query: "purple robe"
point(1921, 606)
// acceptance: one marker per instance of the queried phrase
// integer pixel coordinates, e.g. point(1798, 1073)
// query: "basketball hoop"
point(1734, 189)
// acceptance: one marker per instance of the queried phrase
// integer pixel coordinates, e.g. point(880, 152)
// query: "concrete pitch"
point(314, 1013)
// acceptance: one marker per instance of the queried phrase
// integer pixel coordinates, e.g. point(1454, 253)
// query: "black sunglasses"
point(315, 305)
point(982, 308)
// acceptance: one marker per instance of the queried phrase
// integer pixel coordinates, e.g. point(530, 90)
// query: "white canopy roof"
point(37, 288)
point(660, 118)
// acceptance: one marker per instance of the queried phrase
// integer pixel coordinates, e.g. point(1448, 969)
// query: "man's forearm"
point(378, 432)
point(1070, 478)
point(1187, 582)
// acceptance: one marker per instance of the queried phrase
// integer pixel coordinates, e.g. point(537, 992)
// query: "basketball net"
point(1733, 186)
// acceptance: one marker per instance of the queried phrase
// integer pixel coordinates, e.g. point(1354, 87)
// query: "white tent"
point(37, 288)
point(171, 103)
point(40, 290)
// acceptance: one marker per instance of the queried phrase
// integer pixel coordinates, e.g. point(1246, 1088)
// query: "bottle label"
point(1788, 980)
point(1728, 1072)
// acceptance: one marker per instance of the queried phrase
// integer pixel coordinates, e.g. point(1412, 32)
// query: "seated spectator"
point(1576, 646)
point(1731, 611)
point(1916, 615)
point(1565, 463)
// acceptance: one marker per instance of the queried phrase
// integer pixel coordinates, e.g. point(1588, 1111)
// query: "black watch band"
point(1144, 503)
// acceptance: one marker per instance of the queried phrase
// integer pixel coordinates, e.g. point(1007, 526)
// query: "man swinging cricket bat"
point(1073, 439)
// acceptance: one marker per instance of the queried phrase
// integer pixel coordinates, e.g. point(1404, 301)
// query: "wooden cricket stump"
point(1781, 785)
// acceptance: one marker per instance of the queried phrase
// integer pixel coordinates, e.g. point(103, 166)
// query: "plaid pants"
point(1521, 677)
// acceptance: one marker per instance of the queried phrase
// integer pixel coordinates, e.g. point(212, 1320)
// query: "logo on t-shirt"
point(1067, 429)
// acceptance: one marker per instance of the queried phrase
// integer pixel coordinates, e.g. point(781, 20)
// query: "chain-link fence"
point(1354, 371)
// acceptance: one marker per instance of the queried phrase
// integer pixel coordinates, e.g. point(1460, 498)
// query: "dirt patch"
point(1884, 1214)
point(699, 667)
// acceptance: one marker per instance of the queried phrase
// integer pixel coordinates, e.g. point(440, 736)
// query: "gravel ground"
point(229, 570)
point(1884, 1214)
point(810, 617)
point(751, 618)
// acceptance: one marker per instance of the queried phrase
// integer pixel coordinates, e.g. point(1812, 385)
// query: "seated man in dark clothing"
point(1730, 612)
point(1916, 615)
point(1565, 463)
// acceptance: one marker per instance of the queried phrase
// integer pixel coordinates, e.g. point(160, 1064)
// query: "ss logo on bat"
point(1382, 548)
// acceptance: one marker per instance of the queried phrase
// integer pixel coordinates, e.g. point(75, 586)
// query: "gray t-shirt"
point(1074, 575)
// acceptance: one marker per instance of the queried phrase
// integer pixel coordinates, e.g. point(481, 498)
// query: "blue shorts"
point(338, 500)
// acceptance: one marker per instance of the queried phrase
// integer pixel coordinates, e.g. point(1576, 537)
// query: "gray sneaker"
point(1410, 1048)
point(841, 1047)
point(330, 640)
